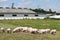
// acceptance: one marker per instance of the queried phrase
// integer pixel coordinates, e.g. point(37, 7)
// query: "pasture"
point(40, 24)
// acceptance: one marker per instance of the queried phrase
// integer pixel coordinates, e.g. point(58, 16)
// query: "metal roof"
point(16, 11)
point(58, 11)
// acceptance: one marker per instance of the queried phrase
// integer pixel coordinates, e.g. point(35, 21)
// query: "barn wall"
point(21, 16)
point(54, 16)
point(7, 15)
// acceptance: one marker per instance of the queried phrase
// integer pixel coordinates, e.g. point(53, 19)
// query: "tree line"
point(39, 10)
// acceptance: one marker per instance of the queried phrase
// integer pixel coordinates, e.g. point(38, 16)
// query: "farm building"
point(56, 15)
point(20, 14)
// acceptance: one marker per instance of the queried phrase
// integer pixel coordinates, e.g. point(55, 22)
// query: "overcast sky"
point(45, 4)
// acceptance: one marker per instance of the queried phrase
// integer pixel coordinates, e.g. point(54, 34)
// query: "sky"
point(44, 4)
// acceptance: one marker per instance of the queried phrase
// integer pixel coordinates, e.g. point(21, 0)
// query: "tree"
point(50, 10)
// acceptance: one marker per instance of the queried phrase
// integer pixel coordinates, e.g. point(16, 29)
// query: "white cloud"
point(2, 0)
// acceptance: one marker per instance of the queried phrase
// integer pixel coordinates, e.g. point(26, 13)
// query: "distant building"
point(20, 14)
point(56, 15)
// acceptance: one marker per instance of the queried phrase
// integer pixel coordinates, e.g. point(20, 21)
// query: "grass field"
point(47, 23)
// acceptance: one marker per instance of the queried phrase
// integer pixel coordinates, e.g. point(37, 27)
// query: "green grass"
point(47, 23)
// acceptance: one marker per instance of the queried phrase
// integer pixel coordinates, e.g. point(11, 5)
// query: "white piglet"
point(42, 31)
point(25, 29)
point(17, 29)
point(29, 29)
point(34, 30)
point(9, 30)
point(47, 30)
point(2, 29)
point(53, 31)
